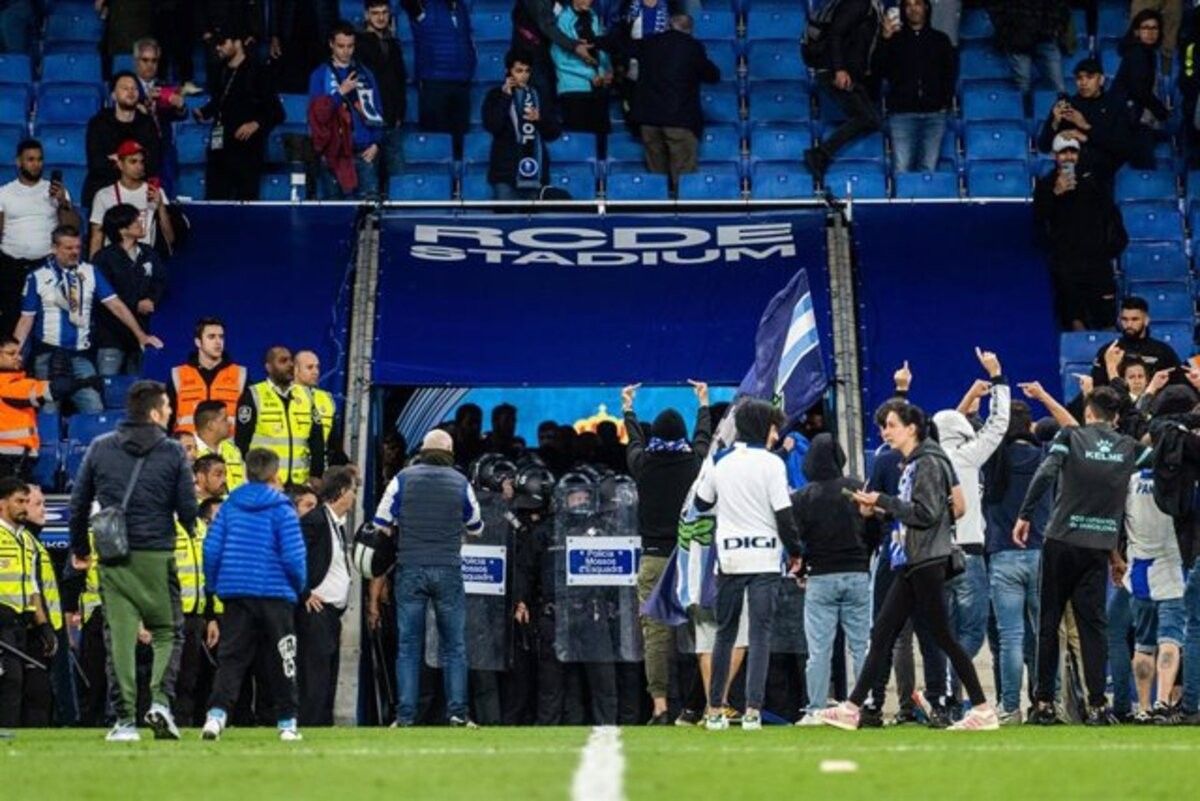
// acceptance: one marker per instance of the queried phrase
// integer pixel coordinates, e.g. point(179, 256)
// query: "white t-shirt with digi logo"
point(749, 485)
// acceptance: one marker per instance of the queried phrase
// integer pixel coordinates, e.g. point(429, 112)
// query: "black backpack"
point(814, 45)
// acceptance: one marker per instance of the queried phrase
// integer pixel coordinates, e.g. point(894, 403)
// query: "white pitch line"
point(601, 772)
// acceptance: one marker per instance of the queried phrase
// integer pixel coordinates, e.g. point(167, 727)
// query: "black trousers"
point(862, 115)
point(484, 686)
point(12, 284)
point(188, 704)
point(318, 637)
point(233, 172)
point(12, 680)
point(563, 687)
point(251, 626)
point(920, 592)
point(1078, 575)
point(933, 659)
point(444, 106)
point(1084, 293)
point(93, 695)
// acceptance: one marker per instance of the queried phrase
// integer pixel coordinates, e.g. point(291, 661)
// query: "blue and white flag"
point(788, 370)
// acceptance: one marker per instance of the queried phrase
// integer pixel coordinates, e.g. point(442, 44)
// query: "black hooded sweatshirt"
point(832, 532)
point(664, 478)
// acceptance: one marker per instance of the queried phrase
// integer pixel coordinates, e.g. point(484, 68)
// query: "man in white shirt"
point(319, 617)
point(755, 526)
point(30, 208)
point(132, 188)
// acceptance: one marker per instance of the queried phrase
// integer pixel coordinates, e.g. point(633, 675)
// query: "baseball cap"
point(1062, 143)
point(128, 148)
point(1089, 65)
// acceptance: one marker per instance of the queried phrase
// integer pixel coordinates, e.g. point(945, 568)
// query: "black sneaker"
point(905, 716)
point(689, 717)
point(1098, 716)
point(1143, 718)
point(870, 718)
point(1166, 715)
point(817, 162)
point(940, 717)
point(462, 723)
point(661, 719)
point(1123, 717)
point(1043, 716)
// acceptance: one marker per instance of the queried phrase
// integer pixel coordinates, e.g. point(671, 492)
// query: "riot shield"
point(597, 549)
point(485, 570)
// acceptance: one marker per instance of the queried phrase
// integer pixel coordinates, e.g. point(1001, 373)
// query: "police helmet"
point(575, 494)
point(374, 551)
point(489, 472)
point(534, 487)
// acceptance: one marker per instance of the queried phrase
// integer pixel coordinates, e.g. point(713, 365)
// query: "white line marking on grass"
point(601, 772)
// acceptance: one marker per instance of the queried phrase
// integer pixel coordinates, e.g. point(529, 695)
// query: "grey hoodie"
point(164, 490)
point(926, 515)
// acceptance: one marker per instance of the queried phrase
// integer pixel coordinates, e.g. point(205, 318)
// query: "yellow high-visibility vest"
point(284, 429)
point(327, 409)
point(18, 569)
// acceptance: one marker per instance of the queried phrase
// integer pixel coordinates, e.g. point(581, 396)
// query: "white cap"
point(1062, 143)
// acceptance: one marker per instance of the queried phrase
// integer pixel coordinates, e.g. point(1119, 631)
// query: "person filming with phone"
point(1084, 231)
point(1094, 118)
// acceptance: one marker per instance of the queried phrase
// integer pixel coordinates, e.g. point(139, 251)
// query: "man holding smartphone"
point(1075, 210)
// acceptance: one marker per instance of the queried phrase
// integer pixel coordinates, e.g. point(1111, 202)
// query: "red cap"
point(128, 148)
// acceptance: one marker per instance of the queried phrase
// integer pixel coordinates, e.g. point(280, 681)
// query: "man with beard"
point(1136, 341)
point(30, 208)
point(123, 121)
point(278, 414)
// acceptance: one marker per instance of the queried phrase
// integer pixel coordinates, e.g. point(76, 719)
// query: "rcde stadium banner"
point(561, 300)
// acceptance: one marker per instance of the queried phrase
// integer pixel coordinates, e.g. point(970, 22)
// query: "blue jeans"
point(1120, 664)
point(917, 141)
point(114, 361)
point(368, 181)
point(1049, 61)
point(1015, 598)
point(829, 600)
point(1157, 623)
point(967, 600)
point(416, 588)
point(86, 399)
point(1191, 642)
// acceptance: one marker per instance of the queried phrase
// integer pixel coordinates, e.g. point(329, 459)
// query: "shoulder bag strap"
point(133, 477)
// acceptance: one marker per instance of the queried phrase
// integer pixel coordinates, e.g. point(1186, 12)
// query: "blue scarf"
point(896, 551)
point(654, 20)
point(366, 101)
point(529, 139)
point(658, 445)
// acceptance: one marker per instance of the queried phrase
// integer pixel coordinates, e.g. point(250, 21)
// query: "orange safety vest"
point(18, 419)
point(190, 390)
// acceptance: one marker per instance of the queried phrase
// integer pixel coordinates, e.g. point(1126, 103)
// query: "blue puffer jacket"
point(254, 548)
point(574, 74)
point(442, 38)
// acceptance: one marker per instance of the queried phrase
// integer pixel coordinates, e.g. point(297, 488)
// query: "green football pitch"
point(662, 764)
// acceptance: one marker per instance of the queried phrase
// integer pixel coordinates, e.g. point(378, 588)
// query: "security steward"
point(28, 609)
point(84, 605)
point(201, 631)
point(278, 414)
point(212, 436)
point(308, 374)
point(208, 374)
point(20, 397)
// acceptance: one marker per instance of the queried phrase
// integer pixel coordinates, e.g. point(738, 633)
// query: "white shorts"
point(704, 625)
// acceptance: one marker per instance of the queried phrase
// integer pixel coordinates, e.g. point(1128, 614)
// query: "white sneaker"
point(717, 722)
point(978, 719)
point(809, 719)
point(160, 719)
point(290, 735)
point(752, 721)
point(213, 727)
point(123, 733)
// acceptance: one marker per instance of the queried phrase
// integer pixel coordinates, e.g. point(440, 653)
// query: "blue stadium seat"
point(775, 60)
point(780, 180)
point(123, 62)
point(477, 147)
point(779, 101)
point(989, 141)
point(711, 182)
point(979, 61)
point(428, 148)
point(428, 182)
point(1180, 336)
point(351, 11)
point(862, 179)
point(191, 143)
point(116, 387)
point(775, 23)
point(15, 68)
point(926, 185)
point(276, 152)
point(49, 425)
point(1070, 384)
point(1113, 21)
point(489, 66)
point(623, 147)
point(64, 144)
point(975, 24)
point(1149, 261)
point(74, 24)
point(83, 427)
point(717, 23)
point(295, 108)
point(779, 142)
point(14, 105)
point(1145, 184)
point(572, 146)
point(1169, 302)
point(1157, 220)
point(1043, 102)
point(987, 100)
point(721, 143)
point(190, 183)
point(275, 186)
point(491, 25)
point(1110, 56)
point(71, 68)
point(67, 102)
point(478, 93)
point(475, 184)
point(998, 179)
point(864, 148)
point(725, 55)
point(632, 182)
point(948, 158)
point(72, 177)
point(720, 102)
point(1080, 347)
point(576, 178)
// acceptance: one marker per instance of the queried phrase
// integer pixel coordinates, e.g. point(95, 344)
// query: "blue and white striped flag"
point(788, 369)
